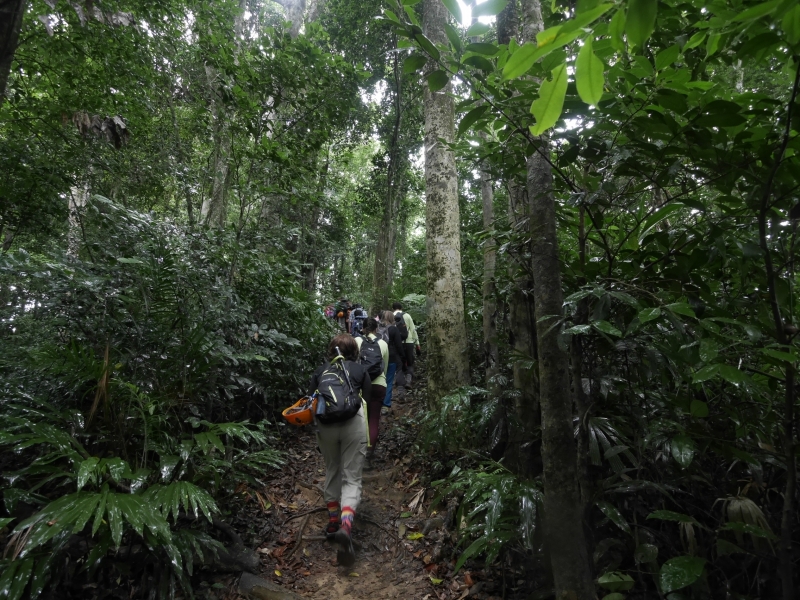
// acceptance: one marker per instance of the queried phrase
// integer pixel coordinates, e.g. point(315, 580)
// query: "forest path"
point(392, 509)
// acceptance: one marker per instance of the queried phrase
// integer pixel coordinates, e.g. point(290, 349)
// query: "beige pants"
point(344, 447)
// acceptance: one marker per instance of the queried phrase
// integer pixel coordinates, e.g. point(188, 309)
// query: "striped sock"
point(347, 518)
point(333, 512)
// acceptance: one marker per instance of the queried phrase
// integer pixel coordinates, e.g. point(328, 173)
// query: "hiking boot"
point(346, 555)
point(331, 530)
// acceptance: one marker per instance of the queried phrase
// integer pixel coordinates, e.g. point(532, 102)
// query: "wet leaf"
point(645, 553)
point(683, 450)
point(415, 536)
point(679, 572)
point(278, 573)
point(615, 581)
point(436, 581)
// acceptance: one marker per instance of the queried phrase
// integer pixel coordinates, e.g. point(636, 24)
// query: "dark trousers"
point(408, 356)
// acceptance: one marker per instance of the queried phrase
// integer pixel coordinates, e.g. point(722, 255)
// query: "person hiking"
point(410, 343)
point(343, 444)
point(374, 354)
point(357, 318)
point(395, 357)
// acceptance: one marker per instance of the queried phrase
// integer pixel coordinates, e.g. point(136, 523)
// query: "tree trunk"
point(78, 199)
point(490, 352)
point(383, 274)
point(563, 518)
point(447, 336)
point(214, 210)
point(11, 12)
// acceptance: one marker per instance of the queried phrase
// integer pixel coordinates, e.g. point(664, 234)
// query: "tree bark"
point(447, 336)
point(491, 353)
point(383, 274)
point(563, 519)
point(11, 12)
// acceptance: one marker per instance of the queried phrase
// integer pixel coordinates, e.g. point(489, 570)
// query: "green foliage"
point(496, 509)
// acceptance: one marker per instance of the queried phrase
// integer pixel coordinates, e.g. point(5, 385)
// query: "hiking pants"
point(374, 412)
point(344, 447)
point(390, 372)
point(408, 350)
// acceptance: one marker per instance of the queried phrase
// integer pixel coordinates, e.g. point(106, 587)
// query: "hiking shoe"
point(331, 530)
point(346, 556)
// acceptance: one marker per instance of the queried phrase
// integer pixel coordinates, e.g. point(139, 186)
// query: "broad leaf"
point(414, 63)
point(437, 80)
point(683, 450)
point(589, 77)
point(471, 117)
point(490, 8)
point(649, 314)
point(454, 8)
point(641, 21)
point(547, 108)
point(520, 62)
point(677, 573)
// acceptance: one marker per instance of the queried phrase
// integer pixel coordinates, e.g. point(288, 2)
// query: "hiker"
point(357, 318)
point(343, 444)
point(392, 337)
point(374, 355)
point(342, 309)
point(410, 341)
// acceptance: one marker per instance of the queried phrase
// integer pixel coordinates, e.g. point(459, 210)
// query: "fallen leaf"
point(263, 550)
point(436, 581)
point(405, 515)
point(431, 567)
point(353, 575)
point(401, 530)
point(427, 559)
point(415, 536)
point(278, 573)
point(306, 552)
point(468, 579)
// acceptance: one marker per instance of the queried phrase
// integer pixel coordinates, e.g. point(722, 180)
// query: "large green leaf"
point(616, 581)
point(589, 77)
point(520, 62)
point(683, 450)
point(454, 8)
point(490, 8)
point(640, 21)
point(758, 11)
point(791, 25)
point(548, 106)
point(613, 514)
point(414, 63)
point(679, 572)
point(471, 118)
point(437, 80)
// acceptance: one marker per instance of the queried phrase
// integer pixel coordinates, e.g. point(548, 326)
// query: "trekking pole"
point(346, 375)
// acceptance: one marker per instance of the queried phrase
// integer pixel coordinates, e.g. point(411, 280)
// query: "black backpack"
point(371, 357)
point(336, 400)
point(400, 323)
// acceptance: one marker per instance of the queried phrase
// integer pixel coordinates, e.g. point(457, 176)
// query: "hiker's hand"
point(419, 350)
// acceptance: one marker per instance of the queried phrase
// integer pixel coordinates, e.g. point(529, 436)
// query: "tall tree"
point(11, 12)
point(447, 336)
point(562, 498)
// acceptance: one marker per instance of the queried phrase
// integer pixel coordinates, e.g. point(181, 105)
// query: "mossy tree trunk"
point(447, 336)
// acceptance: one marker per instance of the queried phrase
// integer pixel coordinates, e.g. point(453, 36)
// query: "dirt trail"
point(392, 510)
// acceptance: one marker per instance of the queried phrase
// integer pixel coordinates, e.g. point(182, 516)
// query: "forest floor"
point(399, 556)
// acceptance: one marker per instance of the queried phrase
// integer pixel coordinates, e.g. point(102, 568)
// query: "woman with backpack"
point(374, 355)
point(395, 344)
point(340, 386)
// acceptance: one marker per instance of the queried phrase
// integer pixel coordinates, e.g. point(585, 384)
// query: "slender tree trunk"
point(11, 12)
point(383, 274)
point(214, 210)
point(563, 509)
point(78, 199)
point(490, 352)
point(447, 336)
